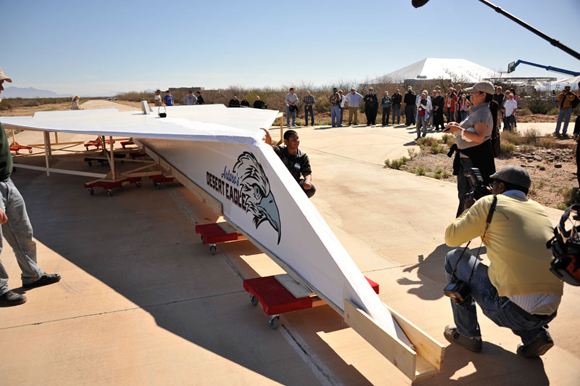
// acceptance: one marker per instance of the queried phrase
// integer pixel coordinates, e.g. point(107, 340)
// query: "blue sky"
point(99, 47)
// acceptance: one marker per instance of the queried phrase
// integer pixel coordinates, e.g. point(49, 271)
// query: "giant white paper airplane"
point(221, 151)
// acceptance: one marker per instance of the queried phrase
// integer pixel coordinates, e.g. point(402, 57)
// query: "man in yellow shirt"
point(517, 290)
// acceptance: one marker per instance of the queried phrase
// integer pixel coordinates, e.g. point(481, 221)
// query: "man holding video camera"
point(517, 290)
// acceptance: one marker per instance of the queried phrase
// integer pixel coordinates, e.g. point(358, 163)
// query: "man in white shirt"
point(353, 98)
point(509, 110)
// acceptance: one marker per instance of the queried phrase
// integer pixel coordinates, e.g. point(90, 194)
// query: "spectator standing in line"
point(423, 107)
point(16, 228)
point(371, 107)
point(308, 102)
point(342, 102)
point(291, 101)
point(509, 109)
point(75, 103)
point(409, 100)
point(438, 105)
point(258, 103)
point(334, 100)
point(513, 92)
point(496, 107)
point(431, 114)
point(200, 100)
point(190, 99)
point(245, 103)
point(565, 100)
point(450, 104)
point(234, 102)
point(353, 98)
point(158, 101)
point(458, 92)
point(386, 103)
point(168, 98)
point(396, 99)
point(464, 105)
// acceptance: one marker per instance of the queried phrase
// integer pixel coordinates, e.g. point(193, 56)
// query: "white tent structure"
point(572, 82)
point(432, 68)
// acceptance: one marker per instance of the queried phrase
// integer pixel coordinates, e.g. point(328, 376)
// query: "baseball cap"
point(4, 77)
point(483, 87)
point(515, 175)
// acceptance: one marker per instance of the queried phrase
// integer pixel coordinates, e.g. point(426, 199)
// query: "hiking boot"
point(453, 336)
point(538, 347)
point(46, 279)
point(11, 299)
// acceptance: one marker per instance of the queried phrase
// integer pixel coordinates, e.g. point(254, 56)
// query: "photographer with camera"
point(517, 290)
point(566, 102)
point(472, 146)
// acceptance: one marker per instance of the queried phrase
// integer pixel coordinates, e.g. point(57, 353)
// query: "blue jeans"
point(563, 115)
point(18, 232)
point(290, 114)
point(462, 115)
point(397, 113)
point(499, 309)
point(335, 115)
point(308, 109)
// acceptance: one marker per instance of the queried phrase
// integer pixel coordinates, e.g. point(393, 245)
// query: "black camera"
point(478, 188)
point(458, 291)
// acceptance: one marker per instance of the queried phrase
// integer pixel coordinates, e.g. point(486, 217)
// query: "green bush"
point(553, 111)
point(512, 137)
point(539, 106)
point(438, 148)
point(524, 112)
point(507, 147)
point(421, 171)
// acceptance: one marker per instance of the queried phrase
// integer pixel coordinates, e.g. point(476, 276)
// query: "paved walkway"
point(143, 302)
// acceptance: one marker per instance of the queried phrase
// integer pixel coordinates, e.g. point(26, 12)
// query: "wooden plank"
point(61, 171)
point(397, 352)
point(294, 287)
point(427, 347)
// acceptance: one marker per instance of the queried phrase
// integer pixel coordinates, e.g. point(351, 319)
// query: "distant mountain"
point(30, 92)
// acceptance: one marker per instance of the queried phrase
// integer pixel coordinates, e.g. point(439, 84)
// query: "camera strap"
point(487, 222)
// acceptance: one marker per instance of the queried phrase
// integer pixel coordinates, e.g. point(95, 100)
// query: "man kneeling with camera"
point(517, 290)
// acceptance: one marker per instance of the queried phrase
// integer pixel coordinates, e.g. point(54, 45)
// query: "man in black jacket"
point(409, 100)
point(371, 107)
point(438, 104)
point(396, 99)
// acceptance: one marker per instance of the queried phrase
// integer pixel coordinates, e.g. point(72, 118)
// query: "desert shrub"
point(421, 171)
point(448, 139)
point(539, 106)
point(412, 153)
point(512, 137)
point(437, 148)
point(525, 111)
point(427, 141)
point(531, 136)
point(570, 195)
point(553, 111)
point(507, 148)
point(547, 142)
point(437, 176)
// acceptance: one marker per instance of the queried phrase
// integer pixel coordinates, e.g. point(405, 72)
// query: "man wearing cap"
point(565, 100)
point(353, 98)
point(16, 228)
point(335, 100)
point(517, 289)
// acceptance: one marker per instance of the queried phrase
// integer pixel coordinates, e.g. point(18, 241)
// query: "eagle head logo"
point(260, 200)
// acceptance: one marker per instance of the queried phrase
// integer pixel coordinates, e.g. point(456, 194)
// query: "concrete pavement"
point(143, 302)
